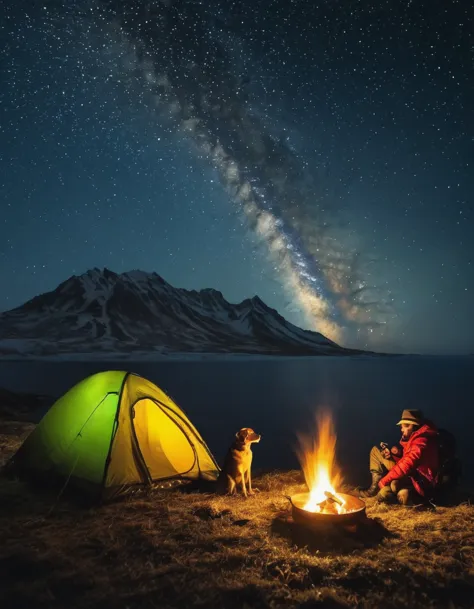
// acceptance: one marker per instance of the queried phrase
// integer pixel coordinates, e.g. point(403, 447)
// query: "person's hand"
point(395, 450)
point(385, 450)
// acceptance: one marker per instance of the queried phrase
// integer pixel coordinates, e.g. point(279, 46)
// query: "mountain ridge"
point(108, 312)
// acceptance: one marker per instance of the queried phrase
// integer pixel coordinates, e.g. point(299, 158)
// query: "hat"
point(411, 417)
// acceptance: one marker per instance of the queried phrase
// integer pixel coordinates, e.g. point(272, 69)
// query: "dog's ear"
point(242, 434)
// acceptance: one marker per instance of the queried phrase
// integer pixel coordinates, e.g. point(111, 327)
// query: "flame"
point(317, 456)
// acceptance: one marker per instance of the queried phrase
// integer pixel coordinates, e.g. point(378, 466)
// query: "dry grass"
point(182, 548)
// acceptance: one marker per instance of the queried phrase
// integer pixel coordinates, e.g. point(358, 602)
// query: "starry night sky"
point(318, 154)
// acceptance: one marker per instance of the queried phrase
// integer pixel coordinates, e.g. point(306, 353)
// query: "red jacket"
point(419, 461)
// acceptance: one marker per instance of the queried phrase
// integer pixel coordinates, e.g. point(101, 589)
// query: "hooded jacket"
point(419, 462)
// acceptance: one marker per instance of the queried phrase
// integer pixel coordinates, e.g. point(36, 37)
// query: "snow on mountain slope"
point(101, 311)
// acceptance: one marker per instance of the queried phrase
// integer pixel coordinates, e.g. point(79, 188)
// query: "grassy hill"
point(177, 547)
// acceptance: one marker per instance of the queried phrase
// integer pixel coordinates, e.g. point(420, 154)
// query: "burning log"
point(332, 497)
point(328, 504)
point(353, 509)
point(329, 501)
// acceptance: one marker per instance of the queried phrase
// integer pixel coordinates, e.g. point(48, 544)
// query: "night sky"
point(318, 154)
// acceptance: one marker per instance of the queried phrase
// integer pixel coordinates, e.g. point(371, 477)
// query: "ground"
point(177, 547)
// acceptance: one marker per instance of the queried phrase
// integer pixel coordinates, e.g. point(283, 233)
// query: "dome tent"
point(111, 431)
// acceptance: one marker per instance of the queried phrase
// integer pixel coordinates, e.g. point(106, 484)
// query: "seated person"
point(412, 475)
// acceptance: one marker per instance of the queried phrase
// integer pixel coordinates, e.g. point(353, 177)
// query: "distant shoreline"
point(185, 357)
point(211, 356)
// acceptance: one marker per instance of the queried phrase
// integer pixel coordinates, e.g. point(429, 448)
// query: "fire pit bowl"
point(355, 511)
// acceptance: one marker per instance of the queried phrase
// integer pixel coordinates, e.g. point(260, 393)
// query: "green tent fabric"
point(111, 431)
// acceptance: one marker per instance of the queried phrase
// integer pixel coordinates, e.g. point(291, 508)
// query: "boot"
point(403, 497)
point(373, 488)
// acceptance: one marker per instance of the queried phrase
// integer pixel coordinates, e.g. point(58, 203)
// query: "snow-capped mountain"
point(101, 311)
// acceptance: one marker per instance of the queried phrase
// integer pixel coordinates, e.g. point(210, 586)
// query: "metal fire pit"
point(355, 506)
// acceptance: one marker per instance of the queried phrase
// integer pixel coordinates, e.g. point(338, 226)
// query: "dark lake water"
point(278, 397)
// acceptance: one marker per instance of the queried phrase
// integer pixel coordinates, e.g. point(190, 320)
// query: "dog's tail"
point(222, 484)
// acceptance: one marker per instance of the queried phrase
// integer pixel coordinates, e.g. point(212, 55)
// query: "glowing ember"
point(316, 454)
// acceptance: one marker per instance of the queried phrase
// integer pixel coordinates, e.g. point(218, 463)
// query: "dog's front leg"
point(244, 490)
point(249, 480)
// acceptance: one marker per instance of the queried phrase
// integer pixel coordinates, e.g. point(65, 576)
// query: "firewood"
point(332, 497)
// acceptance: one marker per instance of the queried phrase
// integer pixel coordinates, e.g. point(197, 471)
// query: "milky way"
point(318, 154)
point(186, 58)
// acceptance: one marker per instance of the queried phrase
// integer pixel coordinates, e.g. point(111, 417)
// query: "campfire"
point(317, 456)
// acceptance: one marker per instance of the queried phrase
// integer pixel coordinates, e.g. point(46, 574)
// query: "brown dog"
point(238, 463)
